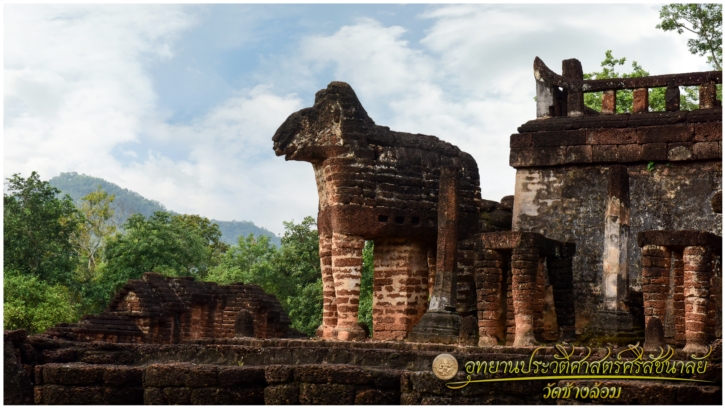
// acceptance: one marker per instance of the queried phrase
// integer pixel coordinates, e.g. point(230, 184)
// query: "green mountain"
point(130, 202)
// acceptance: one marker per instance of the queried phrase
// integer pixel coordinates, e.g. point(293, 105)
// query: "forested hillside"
point(130, 202)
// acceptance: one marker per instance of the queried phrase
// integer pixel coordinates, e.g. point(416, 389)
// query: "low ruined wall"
point(280, 372)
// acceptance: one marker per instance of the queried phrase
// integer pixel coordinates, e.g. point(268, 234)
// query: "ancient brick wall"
point(562, 183)
point(168, 310)
point(400, 287)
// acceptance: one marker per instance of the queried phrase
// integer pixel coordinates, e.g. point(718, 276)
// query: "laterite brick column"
point(329, 307)
point(714, 307)
point(678, 297)
point(655, 286)
point(510, 327)
point(539, 293)
point(698, 266)
point(400, 287)
point(524, 267)
point(488, 289)
point(655, 280)
point(431, 270)
point(346, 270)
point(561, 279)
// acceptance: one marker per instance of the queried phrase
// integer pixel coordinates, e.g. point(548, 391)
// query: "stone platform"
point(243, 371)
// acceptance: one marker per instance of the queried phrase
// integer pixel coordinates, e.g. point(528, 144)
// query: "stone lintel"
point(518, 239)
point(680, 239)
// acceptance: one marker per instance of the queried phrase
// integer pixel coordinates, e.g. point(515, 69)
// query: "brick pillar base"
point(539, 299)
point(400, 295)
point(524, 267)
point(346, 270)
point(697, 267)
point(655, 285)
point(329, 307)
point(488, 289)
point(678, 298)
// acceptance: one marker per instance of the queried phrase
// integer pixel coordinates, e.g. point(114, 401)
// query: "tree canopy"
point(702, 20)
point(37, 229)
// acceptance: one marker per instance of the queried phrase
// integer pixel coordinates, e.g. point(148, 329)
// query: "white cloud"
point(77, 92)
point(75, 85)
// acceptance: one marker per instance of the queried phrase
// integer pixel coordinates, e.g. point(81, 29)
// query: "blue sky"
point(179, 102)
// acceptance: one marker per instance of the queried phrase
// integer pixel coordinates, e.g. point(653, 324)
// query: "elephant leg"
point(329, 306)
point(346, 271)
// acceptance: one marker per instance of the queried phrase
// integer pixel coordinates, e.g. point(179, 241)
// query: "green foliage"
point(651, 166)
point(365, 311)
point(37, 229)
point(169, 244)
point(209, 232)
point(250, 261)
point(95, 228)
point(703, 20)
point(34, 304)
point(593, 100)
point(290, 272)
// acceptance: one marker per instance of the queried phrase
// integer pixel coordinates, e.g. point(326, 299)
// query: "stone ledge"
point(680, 239)
point(621, 120)
point(629, 138)
point(519, 239)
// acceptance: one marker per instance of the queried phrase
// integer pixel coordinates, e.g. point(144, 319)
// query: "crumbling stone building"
point(601, 179)
point(156, 309)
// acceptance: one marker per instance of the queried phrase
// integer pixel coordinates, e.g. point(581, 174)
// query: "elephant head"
point(335, 124)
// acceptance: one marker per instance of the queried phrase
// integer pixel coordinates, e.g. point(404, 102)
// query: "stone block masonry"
point(248, 371)
point(400, 287)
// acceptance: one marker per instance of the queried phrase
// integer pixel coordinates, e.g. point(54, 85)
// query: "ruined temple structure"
point(157, 309)
point(638, 193)
point(418, 199)
point(567, 262)
point(613, 237)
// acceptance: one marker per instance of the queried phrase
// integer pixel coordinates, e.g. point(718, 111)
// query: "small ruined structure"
point(157, 309)
point(680, 294)
point(598, 179)
point(377, 184)
point(513, 272)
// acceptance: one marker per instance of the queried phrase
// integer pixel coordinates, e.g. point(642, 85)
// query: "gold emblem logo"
point(445, 366)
